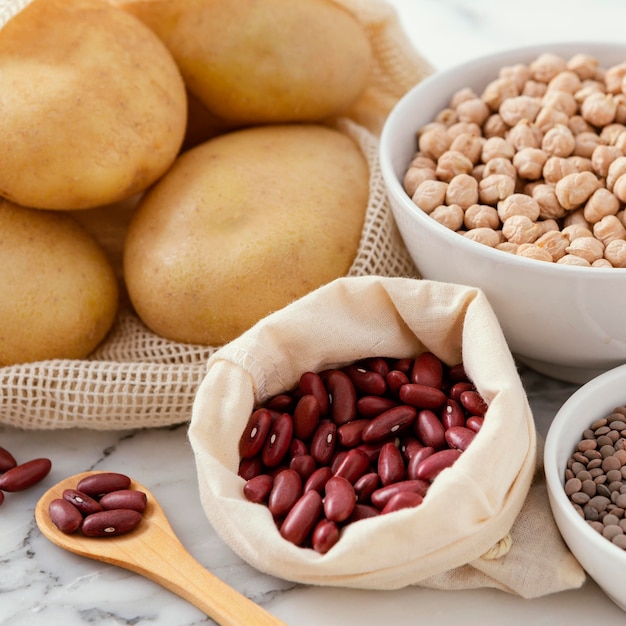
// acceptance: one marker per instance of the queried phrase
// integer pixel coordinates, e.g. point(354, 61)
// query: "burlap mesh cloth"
point(136, 379)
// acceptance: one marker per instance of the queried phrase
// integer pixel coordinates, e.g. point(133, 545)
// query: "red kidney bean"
point(125, 499)
point(297, 447)
point(458, 388)
point(459, 437)
point(415, 461)
point(409, 446)
point(96, 485)
point(25, 475)
point(473, 403)
point(342, 397)
point(258, 488)
point(64, 515)
point(422, 396)
point(365, 486)
point(312, 383)
point(390, 422)
point(434, 464)
point(381, 496)
point(429, 429)
point(286, 490)
point(325, 536)
point(249, 468)
point(337, 459)
point(110, 523)
point(404, 365)
point(302, 518)
point(363, 511)
point(390, 464)
point(452, 414)
point(369, 407)
point(254, 435)
point(304, 464)
point(474, 423)
point(457, 373)
point(282, 403)
point(339, 499)
point(365, 381)
point(427, 370)
point(372, 450)
point(377, 364)
point(7, 460)
point(349, 435)
point(402, 500)
point(395, 379)
point(1, 497)
point(318, 479)
point(306, 416)
point(354, 464)
point(324, 442)
point(278, 440)
point(81, 501)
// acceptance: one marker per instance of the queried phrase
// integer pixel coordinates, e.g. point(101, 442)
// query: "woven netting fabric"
point(136, 379)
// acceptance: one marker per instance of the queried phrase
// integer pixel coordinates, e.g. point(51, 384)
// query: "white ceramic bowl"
point(564, 321)
point(603, 561)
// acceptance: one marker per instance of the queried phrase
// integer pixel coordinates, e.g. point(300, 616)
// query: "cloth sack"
point(136, 379)
point(460, 536)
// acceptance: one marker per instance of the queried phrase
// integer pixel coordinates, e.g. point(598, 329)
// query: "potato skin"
point(242, 225)
point(263, 61)
point(59, 290)
point(93, 105)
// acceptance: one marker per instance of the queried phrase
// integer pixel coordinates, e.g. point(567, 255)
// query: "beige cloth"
point(455, 537)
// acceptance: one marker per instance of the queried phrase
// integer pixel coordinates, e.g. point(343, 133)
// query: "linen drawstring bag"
point(462, 535)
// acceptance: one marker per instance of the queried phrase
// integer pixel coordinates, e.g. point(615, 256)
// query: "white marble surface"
point(42, 585)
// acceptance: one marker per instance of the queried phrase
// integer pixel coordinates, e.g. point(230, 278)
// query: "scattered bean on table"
point(18, 477)
point(356, 441)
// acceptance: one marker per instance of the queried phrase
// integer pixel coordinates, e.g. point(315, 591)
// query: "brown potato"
point(263, 61)
point(59, 290)
point(93, 105)
point(242, 225)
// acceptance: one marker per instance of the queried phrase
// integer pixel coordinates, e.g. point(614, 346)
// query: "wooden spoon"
point(154, 551)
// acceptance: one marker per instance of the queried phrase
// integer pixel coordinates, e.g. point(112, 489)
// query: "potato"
point(93, 105)
point(59, 291)
point(242, 225)
point(263, 61)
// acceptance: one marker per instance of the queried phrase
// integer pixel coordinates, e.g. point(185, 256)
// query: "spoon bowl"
point(154, 551)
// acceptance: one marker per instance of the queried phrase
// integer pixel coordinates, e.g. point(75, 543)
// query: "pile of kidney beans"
point(357, 441)
point(18, 477)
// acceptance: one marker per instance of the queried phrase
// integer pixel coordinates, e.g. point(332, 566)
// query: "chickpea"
point(575, 189)
point(548, 226)
point(619, 189)
point(433, 142)
point(573, 231)
point(450, 216)
point(577, 124)
point(611, 132)
point(507, 246)
point(495, 187)
point(601, 263)
point(533, 251)
point(567, 81)
point(613, 78)
point(499, 165)
point(554, 242)
point(478, 171)
point(602, 158)
point(588, 87)
point(561, 101)
point(558, 141)
point(447, 116)
point(620, 101)
point(599, 109)
point(546, 66)
point(616, 169)
point(576, 218)
point(461, 128)
point(481, 216)
point(518, 204)
point(608, 229)
point(518, 108)
point(549, 205)
point(494, 126)
point(534, 88)
point(486, 236)
point(584, 65)
point(421, 161)
point(469, 145)
point(615, 253)
point(621, 216)
point(549, 117)
point(499, 90)
point(555, 168)
point(601, 203)
point(452, 163)
point(529, 163)
point(430, 194)
point(462, 190)
point(572, 259)
point(496, 147)
point(415, 176)
point(519, 73)
point(462, 95)
point(474, 110)
point(525, 135)
point(520, 229)
point(585, 143)
point(588, 248)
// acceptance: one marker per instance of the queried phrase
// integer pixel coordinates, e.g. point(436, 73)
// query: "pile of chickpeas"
point(535, 165)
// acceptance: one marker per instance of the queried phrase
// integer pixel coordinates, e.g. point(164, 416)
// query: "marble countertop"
point(41, 584)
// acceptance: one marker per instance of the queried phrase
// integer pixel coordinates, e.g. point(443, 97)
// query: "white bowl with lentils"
point(508, 173)
point(585, 467)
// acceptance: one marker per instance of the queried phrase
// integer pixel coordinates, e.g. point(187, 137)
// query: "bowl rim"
point(591, 393)
point(400, 200)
